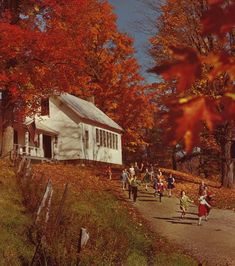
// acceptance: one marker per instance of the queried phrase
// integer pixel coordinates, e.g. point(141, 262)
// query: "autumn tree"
point(39, 57)
point(194, 53)
point(119, 89)
point(54, 46)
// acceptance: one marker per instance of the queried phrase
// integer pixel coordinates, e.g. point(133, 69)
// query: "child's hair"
point(181, 193)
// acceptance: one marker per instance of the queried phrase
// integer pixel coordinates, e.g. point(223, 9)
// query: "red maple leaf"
point(186, 68)
point(194, 113)
point(218, 19)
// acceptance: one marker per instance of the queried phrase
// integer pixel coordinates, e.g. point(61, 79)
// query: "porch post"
point(41, 144)
point(27, 143)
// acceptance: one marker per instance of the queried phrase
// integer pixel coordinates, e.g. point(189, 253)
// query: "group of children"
point(204, 199)
point(135, 175)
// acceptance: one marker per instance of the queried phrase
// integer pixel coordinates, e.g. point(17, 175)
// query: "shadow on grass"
point(153, 200)
point(146, 192)
point(176, 220)
point(192, 213)
point(187, 218)
point(151, 196)
point(181, 222)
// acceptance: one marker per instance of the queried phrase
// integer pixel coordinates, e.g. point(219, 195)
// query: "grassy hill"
point(15, 248)
point(118, 235)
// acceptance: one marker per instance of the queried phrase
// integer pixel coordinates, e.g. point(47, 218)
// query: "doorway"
point(16, 137)
point(47, 146)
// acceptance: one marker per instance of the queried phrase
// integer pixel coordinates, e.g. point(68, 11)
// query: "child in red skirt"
point(202, 208)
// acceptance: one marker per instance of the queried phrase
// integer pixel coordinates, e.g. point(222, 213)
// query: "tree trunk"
point(7, 143)
point(7, 131)
point(227, 167)
point(7, 120)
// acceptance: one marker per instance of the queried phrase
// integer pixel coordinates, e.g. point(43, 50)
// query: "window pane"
point(111, 140)
point(107, 134)
point(97, 135)
point(105, 143)
point(86, 139)
point(116, 142)
point(101, 138)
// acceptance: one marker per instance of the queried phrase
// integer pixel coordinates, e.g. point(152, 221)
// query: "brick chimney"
point(91, 99)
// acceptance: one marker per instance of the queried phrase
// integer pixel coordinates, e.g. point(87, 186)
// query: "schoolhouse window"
point(113, 141)
point(109, 138)
point(105, 139)
point(86, 139)
point(101, 138)
point(116, 142)
point(107, 134)
point(45, 106)
point(97, 135)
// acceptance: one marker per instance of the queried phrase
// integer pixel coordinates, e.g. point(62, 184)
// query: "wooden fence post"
point(83, 238)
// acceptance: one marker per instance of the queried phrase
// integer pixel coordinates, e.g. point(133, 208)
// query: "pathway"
point(213, 243)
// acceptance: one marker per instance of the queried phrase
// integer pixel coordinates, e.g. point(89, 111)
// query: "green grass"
point(116, 236)
point(14, 246)
point(174, 259)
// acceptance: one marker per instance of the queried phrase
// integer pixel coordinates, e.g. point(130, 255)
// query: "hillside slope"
point(14, 246)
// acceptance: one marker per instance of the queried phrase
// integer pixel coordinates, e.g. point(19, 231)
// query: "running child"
point(202, 208)
point(147, 178)
point(184, 203)
point(170, 184)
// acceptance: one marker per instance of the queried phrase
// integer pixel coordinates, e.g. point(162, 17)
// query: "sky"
point(128, 13)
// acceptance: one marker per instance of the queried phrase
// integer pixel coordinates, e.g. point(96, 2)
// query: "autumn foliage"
point(51, 46)
point(194, 52)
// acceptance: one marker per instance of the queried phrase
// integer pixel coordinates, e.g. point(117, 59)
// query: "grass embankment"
point(118, 236)
point(14, 246)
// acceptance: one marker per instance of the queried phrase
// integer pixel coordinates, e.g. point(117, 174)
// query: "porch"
point(35, 140)
point(26, 150)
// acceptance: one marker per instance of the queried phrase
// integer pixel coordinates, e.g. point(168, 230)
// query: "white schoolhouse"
point(70, 129)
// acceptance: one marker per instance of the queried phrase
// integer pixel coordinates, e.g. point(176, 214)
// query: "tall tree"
point(199, 65)
point(54, 46)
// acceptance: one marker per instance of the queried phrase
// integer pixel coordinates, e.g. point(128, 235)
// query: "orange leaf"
point(195, 112)
point(186, 68)
point(218, 20)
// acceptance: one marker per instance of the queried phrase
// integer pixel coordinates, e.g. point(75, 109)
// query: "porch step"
point(42, 159)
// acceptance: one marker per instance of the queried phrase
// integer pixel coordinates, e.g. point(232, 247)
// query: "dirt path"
point(213, 243)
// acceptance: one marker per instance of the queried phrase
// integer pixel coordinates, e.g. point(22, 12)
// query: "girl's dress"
point(170, 183)
point(202, 208)
point(184, 203)
point(147, 177)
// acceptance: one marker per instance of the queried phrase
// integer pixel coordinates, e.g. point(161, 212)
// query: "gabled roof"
point(88, 111)
point(37, 125)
